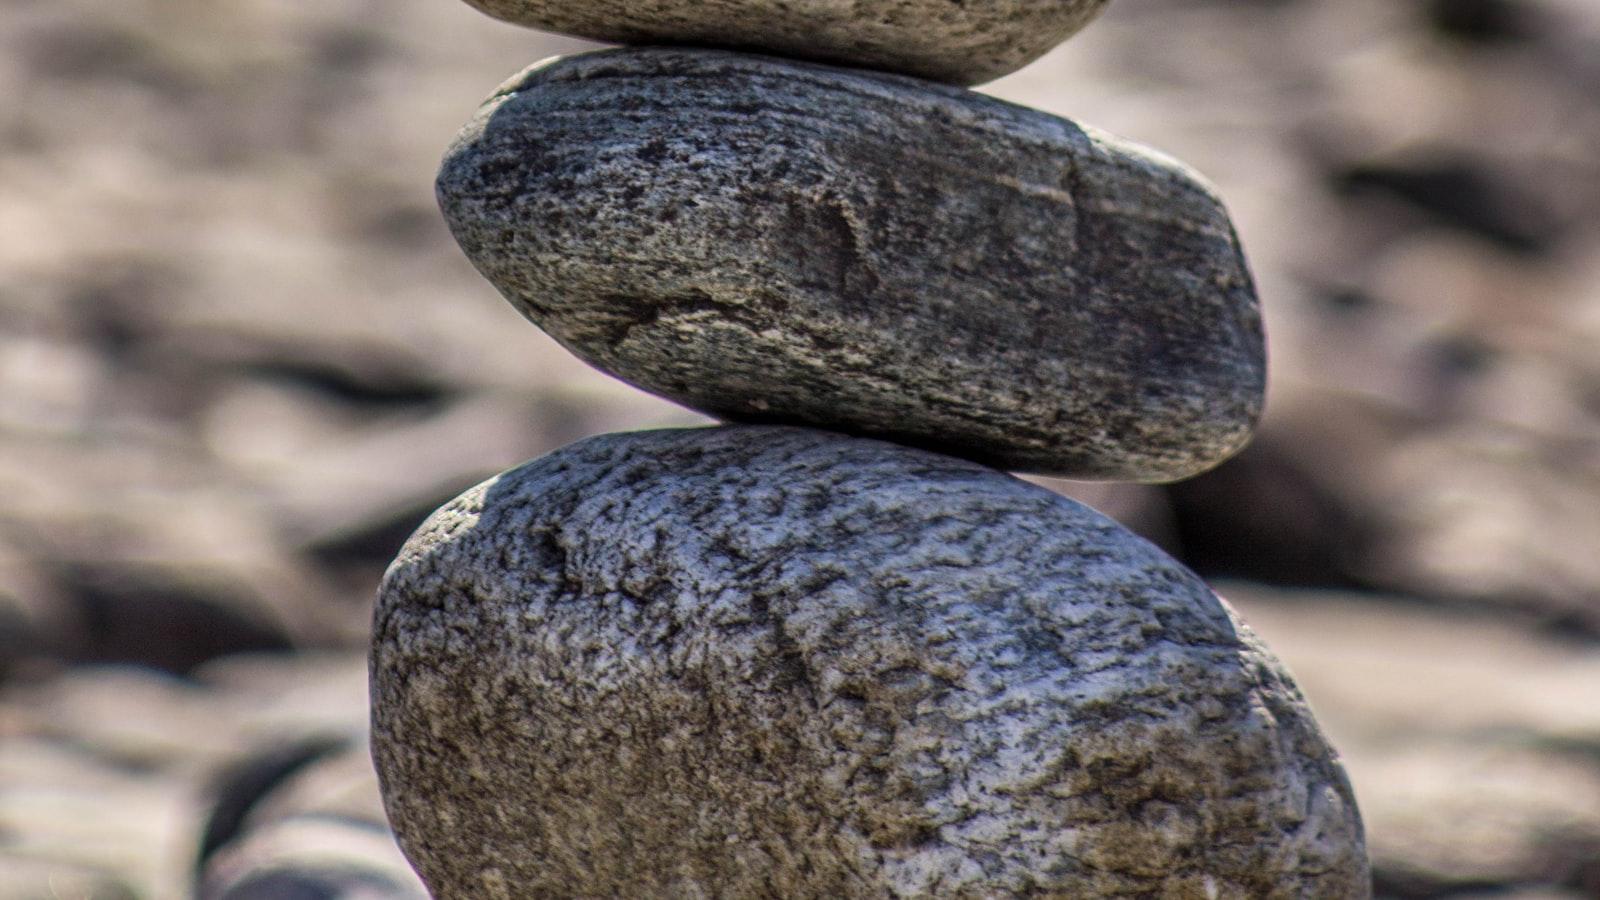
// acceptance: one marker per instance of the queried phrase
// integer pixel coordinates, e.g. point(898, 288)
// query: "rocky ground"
point(240, 358)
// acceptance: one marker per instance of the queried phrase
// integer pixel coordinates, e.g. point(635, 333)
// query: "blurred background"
point(241, 358)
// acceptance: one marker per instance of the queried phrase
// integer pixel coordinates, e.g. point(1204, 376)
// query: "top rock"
point(957, 42)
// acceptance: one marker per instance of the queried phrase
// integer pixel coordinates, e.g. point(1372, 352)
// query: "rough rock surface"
point(964, 43)
point(174, 152)
point(767, 661)
point(763, 240)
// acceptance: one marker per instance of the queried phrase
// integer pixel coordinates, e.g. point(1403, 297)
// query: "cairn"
point(832, 650)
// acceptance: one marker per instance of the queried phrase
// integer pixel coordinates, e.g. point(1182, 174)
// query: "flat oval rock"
point(758, 661)
point(771, 241)
point(962, 42)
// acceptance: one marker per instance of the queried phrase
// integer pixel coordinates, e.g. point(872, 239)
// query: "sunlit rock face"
point(768, 661)
point(963, 43)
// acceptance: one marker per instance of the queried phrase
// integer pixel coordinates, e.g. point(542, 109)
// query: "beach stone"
point(962, 43)
point(771, 241)
point(759, 661)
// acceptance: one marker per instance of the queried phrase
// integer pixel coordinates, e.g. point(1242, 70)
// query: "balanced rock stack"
point(833, 650)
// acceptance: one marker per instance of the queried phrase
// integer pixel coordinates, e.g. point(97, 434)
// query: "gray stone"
point(783, 242)
point(963, 43)
point(756, 661)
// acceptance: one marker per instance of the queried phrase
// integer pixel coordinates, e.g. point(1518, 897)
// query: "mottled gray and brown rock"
point(962, 43)
point(772, 241)
point(759, 661)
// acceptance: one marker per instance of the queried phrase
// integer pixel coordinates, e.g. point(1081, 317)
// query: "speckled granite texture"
point(963, 42)
point(764, 240)
point(773, 662)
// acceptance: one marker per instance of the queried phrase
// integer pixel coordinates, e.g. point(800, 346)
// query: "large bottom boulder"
point(776, 662)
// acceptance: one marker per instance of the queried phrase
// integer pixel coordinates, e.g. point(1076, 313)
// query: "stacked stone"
point(832, 650)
